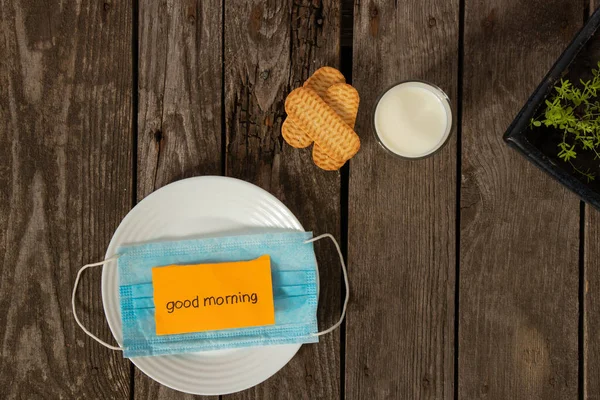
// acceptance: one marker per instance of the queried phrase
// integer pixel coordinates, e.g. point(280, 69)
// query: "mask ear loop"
point(90, 334)
point(344, 272)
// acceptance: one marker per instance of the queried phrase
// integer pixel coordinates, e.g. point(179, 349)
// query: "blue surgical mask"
point(294, 275)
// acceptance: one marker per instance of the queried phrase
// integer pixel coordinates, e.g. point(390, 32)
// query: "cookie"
point(323, 78)
point(293, 135)
point(323, 161)
point(320, 81)
point(319, 121)
point(344, 100)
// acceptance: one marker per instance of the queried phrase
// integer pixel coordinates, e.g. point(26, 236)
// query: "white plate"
point(194, 208)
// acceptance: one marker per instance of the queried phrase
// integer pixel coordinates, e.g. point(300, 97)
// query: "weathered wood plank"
point(65, 184)
point(591, 288)
point(591, 296)
point(179, 120)
point(590, 345)
point(399, 337)
point(519, 229)
point(179, 92)
point(270, 48)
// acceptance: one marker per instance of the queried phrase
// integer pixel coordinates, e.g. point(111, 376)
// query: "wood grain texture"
point(589, 287)
point(591, 307)
point(399, 337)
point(519, 229)
point(179, 120)
point(65, 183)
point(271, 47)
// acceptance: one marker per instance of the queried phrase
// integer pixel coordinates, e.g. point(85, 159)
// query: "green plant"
point(575, 111)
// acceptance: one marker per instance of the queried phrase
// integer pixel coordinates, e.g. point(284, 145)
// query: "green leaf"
point(574, 110)
point(567, 153)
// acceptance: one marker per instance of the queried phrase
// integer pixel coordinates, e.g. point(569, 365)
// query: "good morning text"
point(212, 301)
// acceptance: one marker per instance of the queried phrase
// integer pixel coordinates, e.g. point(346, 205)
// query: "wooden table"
point(473, 274)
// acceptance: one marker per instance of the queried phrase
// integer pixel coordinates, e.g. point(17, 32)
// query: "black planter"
point(539, 145)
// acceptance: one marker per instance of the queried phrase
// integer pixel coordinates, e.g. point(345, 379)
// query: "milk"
point(413, 119)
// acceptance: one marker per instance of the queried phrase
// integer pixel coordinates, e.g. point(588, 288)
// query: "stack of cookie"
point(323, 111)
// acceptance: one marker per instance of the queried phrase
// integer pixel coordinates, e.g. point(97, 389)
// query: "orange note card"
point(206, 297)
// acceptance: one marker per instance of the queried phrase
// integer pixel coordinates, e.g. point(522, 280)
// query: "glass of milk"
point(412, 119)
